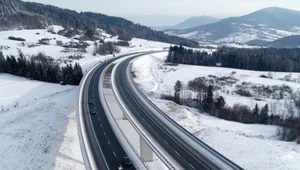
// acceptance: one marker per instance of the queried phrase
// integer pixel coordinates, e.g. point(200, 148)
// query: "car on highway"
point(120, 168)
point(91, 102)
point(93, 111)
point(126, 161)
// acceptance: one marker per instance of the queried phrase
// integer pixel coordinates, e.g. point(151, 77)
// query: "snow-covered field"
point(158, 78)
point(251, 146)
point(38, 125)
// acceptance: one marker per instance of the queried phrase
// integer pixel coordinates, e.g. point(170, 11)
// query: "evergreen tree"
point(208, 102)
point(264, 115)
point(256, 114)
point(177, 88)
point(220, 104)
point(2, 63)
point(77, 74)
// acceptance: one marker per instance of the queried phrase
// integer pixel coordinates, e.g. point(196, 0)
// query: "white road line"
point(177, 153)
point(98, 118)
point(114, 153)
point(166, 142)
point(191, 166)
point(101, 125)
point(108, 142)
point(104, 133)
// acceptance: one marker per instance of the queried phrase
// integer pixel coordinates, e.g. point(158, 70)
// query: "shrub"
point(243, 92)
point(16, 38)
point(263, 76)
point(123, 43)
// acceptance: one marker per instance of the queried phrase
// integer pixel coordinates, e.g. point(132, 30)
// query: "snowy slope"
point(37, 122)
point(155, 77)
point(32, 37)
point(251, 146)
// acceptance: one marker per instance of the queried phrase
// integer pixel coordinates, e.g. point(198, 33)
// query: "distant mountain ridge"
point(16, 14)
point(286, 42)
point(267, 24)
point(191, 22)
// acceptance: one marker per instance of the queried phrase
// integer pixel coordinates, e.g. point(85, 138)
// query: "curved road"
point(105, 147)
point(176, 147)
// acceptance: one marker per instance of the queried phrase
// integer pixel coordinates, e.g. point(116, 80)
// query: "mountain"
point(190, 22)
point(16, 14)
point(196, 21)
point(286, 42)
point(267, 24)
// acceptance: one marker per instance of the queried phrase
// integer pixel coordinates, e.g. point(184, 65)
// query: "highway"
point(105, 147)
point(178, 148)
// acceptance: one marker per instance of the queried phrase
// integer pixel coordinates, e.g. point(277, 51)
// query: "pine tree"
point(256, 114)
point(77, 74)
point(220, 104)
point(208, 102)
point(177, 88)
point(2, 63)
point(264, 115)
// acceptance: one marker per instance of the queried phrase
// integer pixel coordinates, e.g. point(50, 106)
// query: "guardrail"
point(86, 149)
point(211, 157)
point(88, 158)
point(129, 149)
point(143, 134)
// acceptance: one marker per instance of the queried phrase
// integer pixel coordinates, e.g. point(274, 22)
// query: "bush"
point(243, 92)
point(59, 43)
point(123, 43)
point(16, 38)
point(263, 76)
point(75, 57)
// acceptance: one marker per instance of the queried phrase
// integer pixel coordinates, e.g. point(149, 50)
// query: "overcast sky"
point(170, 12)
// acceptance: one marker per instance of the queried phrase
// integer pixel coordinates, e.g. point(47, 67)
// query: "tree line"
point(216, 106)
point(41, 68)
point(260, 59)
point(105, 48)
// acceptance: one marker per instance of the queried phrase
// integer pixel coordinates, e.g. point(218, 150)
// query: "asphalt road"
point(105, 147)
point(179, 149)
point(174, 147)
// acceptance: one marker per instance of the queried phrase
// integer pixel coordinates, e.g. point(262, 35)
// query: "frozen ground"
point(156, 77)
point(38, 125)
point(251, 146)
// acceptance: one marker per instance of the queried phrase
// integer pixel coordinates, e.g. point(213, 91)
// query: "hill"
point(267, 24)
point(286, 42)
point(16, 14)
point(190, 22)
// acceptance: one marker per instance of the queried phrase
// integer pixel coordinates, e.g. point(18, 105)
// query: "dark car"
point(126, 161)
point(93, 111)
point(91, 102)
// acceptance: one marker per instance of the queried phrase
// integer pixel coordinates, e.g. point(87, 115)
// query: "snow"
point(250, 146)
point(157, 78)
point(188, 35)
point(38, 123)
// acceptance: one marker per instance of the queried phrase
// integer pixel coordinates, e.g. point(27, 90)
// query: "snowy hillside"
point(256, 28)
point(251, 146)
point(61, 53)
point(37, 122)
point(159, 79)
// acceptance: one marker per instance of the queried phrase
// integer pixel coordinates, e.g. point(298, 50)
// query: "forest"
point(42, 68)
point(260, 59)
